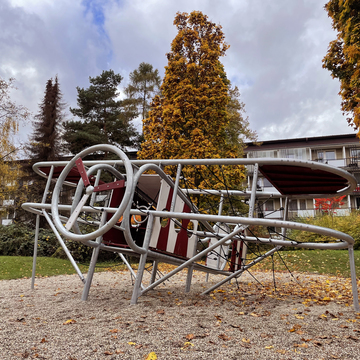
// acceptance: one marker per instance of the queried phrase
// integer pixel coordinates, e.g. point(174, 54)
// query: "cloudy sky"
point(275, 55)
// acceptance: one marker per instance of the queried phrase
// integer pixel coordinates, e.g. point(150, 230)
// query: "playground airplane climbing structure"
point(149, 209)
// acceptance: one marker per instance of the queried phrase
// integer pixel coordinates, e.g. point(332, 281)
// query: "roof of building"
point(317, 141)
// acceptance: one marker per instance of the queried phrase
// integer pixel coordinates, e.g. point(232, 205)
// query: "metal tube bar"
point(189, 278)
point(73, 263)
point(176, 187)
point(97, 180)
point(153, 272)
point(123, 258)
point(90, 274)
point(285, 217)
point(244, 268)
point(37, 228)
point(138, 281)
point(256, 221)
point(194, 258)
point(353, 279)
point(253, 191)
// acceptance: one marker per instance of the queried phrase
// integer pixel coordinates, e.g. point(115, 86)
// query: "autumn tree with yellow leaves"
point(11, 115)
point(343, 56)
point(198, 114)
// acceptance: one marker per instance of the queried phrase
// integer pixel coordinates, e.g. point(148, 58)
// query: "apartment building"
point(336, 150)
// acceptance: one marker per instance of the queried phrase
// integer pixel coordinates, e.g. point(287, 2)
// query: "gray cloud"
point(275, 54)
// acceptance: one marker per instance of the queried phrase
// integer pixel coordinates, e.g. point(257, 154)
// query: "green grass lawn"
point(14, 267)
point(331, 262)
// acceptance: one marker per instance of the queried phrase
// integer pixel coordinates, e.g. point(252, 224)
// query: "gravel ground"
point(51, 322)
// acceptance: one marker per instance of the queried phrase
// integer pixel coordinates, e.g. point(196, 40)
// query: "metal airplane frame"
point(136, 208)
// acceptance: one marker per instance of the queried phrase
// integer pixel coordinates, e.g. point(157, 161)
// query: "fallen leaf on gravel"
point(305, 340)
point(43, 340)
point(151, 356)
point(70, 321)
point(245, 340)
point(281, 351)
point(161, 312)
point(189, 337)
point(238, 327)
point(303, 345)
point(224, 337)
point(114, 331)
point(108, 353)
point(131, 343)
point(352, 337)
point(186, 345)
point(269, 347)
point(118, 351)
point(317, 343)
point(295, 327)
point(255, 315)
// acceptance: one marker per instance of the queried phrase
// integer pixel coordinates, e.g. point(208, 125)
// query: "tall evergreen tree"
point(45, 140)
point(197, 116)
point(144, 85)
point(44, 145)
point(105, 119)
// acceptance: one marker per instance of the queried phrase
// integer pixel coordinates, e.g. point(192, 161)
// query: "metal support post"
point(353, 279)
point(142, 262)
point(37, 227)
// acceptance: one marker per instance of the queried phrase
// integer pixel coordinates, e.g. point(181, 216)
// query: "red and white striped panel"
point(168, 237)
point(238, 255)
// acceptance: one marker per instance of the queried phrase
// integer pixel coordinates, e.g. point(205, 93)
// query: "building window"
point(269, 205)
point(302, 203)
point(330, 155)
point(292, 205)
point(263, 154)
point(355, 153)
point(320, 156)
point(299, 153)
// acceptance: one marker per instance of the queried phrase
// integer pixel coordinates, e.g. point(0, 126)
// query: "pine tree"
point(44, 145)
point(144, 85)
point(45, 141)
point(105, 119)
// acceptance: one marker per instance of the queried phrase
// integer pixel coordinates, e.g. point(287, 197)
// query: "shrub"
point(347, 224)
point(18, 240)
